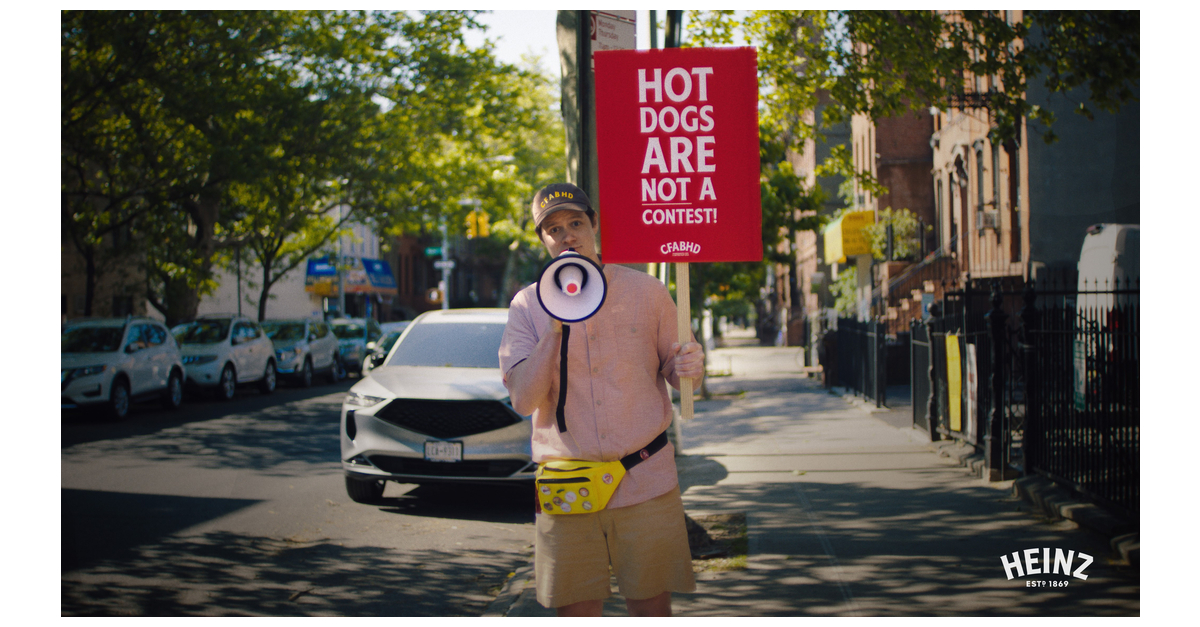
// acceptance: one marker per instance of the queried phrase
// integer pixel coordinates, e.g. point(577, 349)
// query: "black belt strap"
point(562, 378)
point(637, 457)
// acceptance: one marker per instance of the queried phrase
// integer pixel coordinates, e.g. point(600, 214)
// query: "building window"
point(940, 215)
point(996, 176)
point(979, 177)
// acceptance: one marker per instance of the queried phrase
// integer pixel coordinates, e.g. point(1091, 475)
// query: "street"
point(239, 509)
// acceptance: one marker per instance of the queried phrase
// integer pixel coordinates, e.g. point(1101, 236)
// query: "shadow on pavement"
point(282, 438)
point(226, 574)
point(861, 549)
point(128, 521)
point(80, 426)
point(494, 504)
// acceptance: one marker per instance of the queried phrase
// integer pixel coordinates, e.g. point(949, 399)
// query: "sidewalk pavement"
point(852, 512)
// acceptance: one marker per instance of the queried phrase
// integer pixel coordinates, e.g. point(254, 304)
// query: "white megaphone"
point(572, 287)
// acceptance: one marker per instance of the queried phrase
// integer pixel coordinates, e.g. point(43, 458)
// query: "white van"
point(1109, 260)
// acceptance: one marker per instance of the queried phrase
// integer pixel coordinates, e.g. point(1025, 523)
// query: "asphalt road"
point(239, 509)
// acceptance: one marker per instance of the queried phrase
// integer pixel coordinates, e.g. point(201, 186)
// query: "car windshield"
point(282, 331)
point(452, 345)
point(389, 340)
point(91, 339)
point(348, 330)
point(203, 332)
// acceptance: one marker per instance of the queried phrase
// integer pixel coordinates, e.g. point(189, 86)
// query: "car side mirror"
point(370, 346)
point(132, 348)
point(312, 337)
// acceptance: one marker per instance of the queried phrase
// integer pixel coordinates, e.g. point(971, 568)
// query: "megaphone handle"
point(683, 308)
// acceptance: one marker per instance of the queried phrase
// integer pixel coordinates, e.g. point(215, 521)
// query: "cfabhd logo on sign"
point(677, 143)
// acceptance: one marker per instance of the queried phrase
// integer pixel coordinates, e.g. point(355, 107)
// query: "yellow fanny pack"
point(577, 487)
point(583, 487)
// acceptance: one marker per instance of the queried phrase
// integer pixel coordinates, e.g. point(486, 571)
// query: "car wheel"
point(365, 490)
point(306, 373)
point(337, 371)
point(173, 395)
point(267, 385)
point(118, 400)
point(228, 383)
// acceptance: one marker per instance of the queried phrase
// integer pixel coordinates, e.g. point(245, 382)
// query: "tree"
point(203, 129)
point(892, 62)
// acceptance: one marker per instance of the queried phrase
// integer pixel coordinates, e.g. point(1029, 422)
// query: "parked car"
point(436, 411)
point(304, 347)
point(379, 350)
point(353, 335)
point(107, 363)
point(222, 351)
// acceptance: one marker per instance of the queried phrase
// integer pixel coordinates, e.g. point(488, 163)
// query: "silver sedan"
point(436, 411)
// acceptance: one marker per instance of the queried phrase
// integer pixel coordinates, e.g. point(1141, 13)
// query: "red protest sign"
point(677, 144)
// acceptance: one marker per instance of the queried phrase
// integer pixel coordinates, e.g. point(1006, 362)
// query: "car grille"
point(448, 419)
point(484, 468)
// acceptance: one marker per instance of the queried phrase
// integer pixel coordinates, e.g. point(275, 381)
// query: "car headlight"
point(196, 360)
point(83, 372)
point(362, 400)
point(289, 354)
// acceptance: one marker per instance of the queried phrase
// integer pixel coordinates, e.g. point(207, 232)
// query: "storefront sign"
point(845, 238)
point(677, 143)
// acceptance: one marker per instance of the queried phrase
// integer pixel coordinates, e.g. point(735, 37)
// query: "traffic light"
point(484, 228)
point(477, 225)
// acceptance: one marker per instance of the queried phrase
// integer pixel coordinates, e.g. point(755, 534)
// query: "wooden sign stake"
point(683, 308)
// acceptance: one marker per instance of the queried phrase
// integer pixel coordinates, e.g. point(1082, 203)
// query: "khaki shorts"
point(646, 544)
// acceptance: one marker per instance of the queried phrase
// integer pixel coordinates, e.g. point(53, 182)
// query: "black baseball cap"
point(557, 197)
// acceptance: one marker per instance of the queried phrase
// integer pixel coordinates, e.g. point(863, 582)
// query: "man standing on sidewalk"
point(616, 405)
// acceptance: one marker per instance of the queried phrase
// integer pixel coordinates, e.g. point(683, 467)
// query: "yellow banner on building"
point(844, 237)
point(954, 382)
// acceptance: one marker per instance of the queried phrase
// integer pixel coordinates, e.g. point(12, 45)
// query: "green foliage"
point(906, 239)
point(911, 60)
point(844, 291)
point(207, 131)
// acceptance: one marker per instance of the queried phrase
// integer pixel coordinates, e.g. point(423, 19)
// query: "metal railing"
point(862, 358)
point(1047, 388)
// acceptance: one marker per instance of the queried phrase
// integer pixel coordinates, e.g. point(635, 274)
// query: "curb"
point(1057, 503)
point(503, 603)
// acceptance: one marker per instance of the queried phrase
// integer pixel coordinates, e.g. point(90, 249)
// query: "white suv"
point(110, 362)
point(222, 351)
point(304, 347)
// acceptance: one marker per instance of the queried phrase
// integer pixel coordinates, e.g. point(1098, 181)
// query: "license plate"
point(443, 451)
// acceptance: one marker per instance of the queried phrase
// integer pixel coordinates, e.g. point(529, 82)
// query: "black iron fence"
point(1043, 381)
point(862, 358)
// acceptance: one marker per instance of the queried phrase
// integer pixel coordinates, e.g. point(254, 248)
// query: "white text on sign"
point(691, 154)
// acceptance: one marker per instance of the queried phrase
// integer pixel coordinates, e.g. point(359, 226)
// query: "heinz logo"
point(680, 248)
point(1041, 562)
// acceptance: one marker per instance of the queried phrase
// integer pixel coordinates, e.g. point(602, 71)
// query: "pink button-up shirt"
point(619, 362)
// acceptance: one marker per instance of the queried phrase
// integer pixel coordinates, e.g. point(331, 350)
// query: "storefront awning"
point(364, 276)
point(844, 237)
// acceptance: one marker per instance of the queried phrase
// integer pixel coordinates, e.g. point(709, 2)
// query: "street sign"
point(433, 251)
point(444, 265)
point(612, 30)
point(678, 155)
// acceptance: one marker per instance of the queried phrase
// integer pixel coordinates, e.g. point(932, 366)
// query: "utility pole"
point(446, 267)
